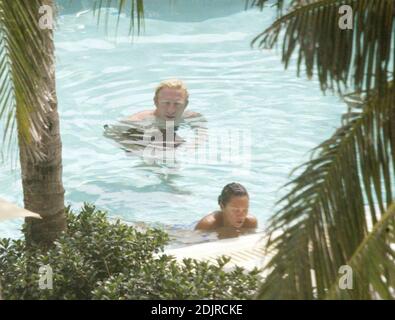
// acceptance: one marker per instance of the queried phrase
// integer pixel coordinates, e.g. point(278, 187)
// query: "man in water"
point(158, 127)
point(171, 99)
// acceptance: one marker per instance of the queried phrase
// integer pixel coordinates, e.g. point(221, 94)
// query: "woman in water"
point(234, 203)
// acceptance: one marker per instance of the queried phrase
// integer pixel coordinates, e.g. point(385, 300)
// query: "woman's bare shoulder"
point(209, 222)
point(250, 222)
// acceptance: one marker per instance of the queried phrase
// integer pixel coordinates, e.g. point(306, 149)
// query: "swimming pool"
point(238, 89)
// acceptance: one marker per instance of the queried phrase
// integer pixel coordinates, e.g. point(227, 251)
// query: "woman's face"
point(235, 211)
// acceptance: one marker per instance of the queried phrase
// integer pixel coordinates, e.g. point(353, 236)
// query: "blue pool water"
point(239, 89)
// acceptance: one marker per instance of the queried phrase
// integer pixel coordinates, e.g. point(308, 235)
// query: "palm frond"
point(362, 57)
point(374, 259)
point(280, 4)
point(262, 3)
point(136, 12)
point(25, 61)
point(344, 191)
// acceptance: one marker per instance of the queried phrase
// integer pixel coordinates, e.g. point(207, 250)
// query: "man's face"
point(170, 104)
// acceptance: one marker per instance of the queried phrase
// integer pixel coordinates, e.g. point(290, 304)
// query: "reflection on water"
point(157, 143)
point(182, 235)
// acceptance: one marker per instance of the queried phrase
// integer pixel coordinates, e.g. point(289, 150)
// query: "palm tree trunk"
point(42, 179)
point(392, 137)
point(393, 117)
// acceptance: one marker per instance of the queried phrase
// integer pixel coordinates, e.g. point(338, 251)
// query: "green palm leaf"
point(337, 210)
point(22, 73)
point(374, 259)
point(279, 4)
point(135, 10)
point(363, 55)
point(324, 221)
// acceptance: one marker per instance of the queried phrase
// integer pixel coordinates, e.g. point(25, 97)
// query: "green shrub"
point(99, 259)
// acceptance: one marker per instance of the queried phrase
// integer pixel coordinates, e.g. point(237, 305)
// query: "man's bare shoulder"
point(191, 114)
point(140, 116)
point(209, 222)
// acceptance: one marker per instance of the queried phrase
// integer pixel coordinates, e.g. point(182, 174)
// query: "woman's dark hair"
point(230, 190)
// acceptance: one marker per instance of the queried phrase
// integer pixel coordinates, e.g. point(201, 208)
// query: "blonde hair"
point(173, 84)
